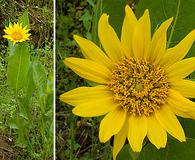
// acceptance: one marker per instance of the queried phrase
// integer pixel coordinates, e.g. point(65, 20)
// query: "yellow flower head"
point(141, 83)
point(16, 33)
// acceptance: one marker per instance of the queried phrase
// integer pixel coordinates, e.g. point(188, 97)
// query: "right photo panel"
point(125, 80)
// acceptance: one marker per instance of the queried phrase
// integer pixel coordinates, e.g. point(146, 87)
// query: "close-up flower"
point(141, 83)
point(16, 33)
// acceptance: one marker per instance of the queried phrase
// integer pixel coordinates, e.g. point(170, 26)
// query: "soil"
point(7, 151)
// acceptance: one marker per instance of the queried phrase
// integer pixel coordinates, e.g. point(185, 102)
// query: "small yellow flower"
point(141, 83)
point(16, 33)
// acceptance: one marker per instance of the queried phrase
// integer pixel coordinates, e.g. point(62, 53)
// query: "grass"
point(41, 49)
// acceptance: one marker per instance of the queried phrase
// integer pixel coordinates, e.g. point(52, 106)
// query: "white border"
point(54, 83)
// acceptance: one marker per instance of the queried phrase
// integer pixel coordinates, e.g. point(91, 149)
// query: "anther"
point(140, 88)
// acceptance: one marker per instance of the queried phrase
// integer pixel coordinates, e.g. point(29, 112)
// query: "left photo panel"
point(26, 80)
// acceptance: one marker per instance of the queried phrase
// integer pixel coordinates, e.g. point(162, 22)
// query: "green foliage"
point(116, 12)
point(24, 19)
point(125, 152)
point(181, 10)
point(18, 66)
point(175, 150)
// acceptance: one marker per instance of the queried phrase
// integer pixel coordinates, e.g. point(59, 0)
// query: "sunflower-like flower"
point(16, 33)
point(141, 84)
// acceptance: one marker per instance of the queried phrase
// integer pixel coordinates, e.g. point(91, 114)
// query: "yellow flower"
point(16, 33)
point(141, 83)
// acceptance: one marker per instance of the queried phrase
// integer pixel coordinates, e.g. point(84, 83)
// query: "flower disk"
point(139, 87)
point(16, 33)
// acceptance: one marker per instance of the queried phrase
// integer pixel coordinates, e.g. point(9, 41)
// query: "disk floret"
point(139, 87)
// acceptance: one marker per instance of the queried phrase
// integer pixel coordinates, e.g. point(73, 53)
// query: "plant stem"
point(174, 24)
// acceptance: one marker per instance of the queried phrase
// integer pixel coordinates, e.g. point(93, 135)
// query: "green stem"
point(174, 24)
point(43, 125)
point(98, 12)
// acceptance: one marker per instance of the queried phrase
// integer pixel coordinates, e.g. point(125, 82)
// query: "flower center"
point(139, 87)
point(17, 36)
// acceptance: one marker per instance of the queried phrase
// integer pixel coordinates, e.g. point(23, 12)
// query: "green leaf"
point(181, 10)
point(29, 84)
point(13, 123)
point(11, 48)
point(150, 152)
point(39, 76)
point(125, 153)
point(18, 66)
point(50, 84)
point(96, 16)
point(174, 150)
point(24, 19)
point(22, 130)
point(181, 151)
point(40, 80)
point(115, 9)
point(49, 102)
point(188, 126)
point(24, 109)
point(19, 123)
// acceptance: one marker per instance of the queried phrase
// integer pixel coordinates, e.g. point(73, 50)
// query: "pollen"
point(138, 86)
point(17, 35)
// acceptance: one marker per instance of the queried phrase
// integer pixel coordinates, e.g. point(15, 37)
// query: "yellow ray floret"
point(141, 83)
point(16, 33)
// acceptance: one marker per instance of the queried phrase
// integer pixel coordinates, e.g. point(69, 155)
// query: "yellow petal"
point(95, 107)
point(7, 30)
point(181, 113)
point(175, 98)
point(159, 40)
point(119, 139)
point(185, 87)
point(6, 36)
point(10, 25)
point(170, 123)
point(88, 69)
point(128, 27)
point(156, 134)
point(181, 105)
point(109, 39)
point(146, 27)
point(111, 124)
point(137, 131)
point(84, 94)
point(92, 52)
point(180, 69)
point(142, 36)
point(178, 52)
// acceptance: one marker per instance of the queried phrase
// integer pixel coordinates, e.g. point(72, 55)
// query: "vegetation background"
point(41, 48)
